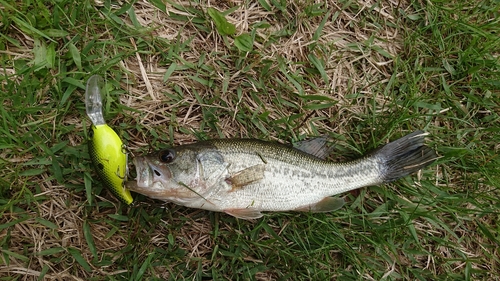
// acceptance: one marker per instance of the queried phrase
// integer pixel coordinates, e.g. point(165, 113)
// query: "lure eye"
point(167, 156)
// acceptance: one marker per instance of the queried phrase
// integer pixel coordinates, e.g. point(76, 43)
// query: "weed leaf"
point(244, 42)
point(221, 23)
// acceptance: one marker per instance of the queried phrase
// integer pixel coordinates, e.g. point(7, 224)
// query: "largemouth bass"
point(244, 177)
point(106, 149)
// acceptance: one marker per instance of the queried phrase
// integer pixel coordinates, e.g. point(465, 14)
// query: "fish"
point(246, 177)
point(106, 149)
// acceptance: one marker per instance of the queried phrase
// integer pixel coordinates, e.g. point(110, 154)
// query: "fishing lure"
point(106, 149)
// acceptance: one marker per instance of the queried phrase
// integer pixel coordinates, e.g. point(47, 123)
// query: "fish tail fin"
point(404, 156)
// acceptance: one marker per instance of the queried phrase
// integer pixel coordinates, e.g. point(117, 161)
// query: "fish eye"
point(167, 156)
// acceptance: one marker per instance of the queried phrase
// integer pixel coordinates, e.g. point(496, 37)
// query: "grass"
point(361, 72)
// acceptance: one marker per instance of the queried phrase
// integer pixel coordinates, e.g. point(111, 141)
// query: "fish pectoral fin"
point(246, 176)
point(246, 214)
point(327, 204)
point(316, 146)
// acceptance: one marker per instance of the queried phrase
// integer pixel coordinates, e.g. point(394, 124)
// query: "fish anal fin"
point(327, 204)
point(246, 214)
point(246, 176)
point(317, 147)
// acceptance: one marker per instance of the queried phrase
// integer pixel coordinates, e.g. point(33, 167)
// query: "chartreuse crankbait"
point(106, 149)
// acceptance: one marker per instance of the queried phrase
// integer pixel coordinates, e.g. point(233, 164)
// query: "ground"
point(362, 73)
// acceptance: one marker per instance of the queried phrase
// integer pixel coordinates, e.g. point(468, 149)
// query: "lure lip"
point(93, 100)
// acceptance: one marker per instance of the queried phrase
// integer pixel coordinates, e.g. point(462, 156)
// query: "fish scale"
point(304, 188)
point(245, 177)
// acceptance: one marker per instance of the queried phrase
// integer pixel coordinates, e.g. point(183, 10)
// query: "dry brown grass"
point(351, 68)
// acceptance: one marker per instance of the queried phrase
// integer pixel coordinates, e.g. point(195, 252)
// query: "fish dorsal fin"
point(246, 176)
point(246, 214)
point(327, 204)
point(317, 147)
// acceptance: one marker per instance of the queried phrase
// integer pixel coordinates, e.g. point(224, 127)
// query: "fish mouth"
point(147, 174)
point(144, 177)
